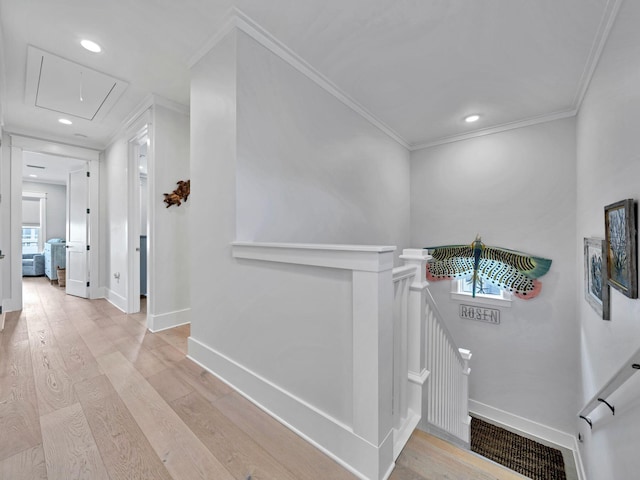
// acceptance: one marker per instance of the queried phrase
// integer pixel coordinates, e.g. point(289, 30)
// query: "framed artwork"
point(621, 246)
point(596, 287)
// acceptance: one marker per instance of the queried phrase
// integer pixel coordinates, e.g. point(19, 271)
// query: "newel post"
point(416, 321)
point(466, 356)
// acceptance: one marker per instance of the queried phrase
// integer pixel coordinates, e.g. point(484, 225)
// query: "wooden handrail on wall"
point(625, 372)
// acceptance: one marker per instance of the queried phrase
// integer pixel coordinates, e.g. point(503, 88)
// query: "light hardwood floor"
point(87, 392)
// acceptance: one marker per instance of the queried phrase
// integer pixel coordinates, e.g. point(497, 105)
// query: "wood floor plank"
point(126, 451)
point(54, 386)
point(298, 456)
point(169, 384)
point(96, 341)
point(25, 465)
point(78, 359)
point(19, 416)
point(423, 454)
point(145, 362)
point(168, 354)
point(179, 448)
point(206, 384)
point(177, 337)
point(243, 457)
point(403, 473)
point(419, 439)
point(15, 331)
point(69, 447)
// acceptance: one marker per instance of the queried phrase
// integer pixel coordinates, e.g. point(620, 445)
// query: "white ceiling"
point(48, 168)
point(418, 66)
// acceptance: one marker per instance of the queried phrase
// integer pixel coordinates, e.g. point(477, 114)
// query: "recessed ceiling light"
point(33, 175)
point(91, 46)
point(472, 118)
point(65, 121)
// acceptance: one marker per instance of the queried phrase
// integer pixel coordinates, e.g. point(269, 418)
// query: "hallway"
point(87, 392)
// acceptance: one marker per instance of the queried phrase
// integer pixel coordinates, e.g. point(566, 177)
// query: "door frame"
point(18, 144)
point(143, 135)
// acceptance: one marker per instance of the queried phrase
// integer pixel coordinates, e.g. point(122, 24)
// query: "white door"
point(77, 233)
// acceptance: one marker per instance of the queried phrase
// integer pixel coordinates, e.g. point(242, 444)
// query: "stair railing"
point(430, 388)
point(406, 411)
point(623, 374)
point(448, 386)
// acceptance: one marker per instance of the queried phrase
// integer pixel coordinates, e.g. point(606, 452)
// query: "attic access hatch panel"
point(63, 86)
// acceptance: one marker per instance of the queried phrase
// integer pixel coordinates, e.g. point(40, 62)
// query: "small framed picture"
point(596, 287)
point(621, 246)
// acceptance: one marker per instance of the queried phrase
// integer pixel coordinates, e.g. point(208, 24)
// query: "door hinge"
point(88, 211)
point(88, 284)
point(88, 247)
point(88, 174)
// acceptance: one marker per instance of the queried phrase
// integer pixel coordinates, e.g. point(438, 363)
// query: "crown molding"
point(25, 138)
point(527, 122)
point(236, 19)
point(602, 35)
point(141, 109)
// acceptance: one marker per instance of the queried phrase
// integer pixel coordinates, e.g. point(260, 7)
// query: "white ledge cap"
point(415, 254)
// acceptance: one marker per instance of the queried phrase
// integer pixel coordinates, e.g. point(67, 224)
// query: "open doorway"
point(45, 214)
point(139, 161)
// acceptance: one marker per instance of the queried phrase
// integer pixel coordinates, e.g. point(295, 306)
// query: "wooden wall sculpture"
point(179, 195)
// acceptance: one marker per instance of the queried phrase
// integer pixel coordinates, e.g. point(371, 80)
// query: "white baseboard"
point(116, 300)
point(329, 435)
point(522, 424)
point(529, 427)
point(164, 321)
point(579, 465)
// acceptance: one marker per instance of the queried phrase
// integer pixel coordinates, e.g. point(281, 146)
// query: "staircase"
point(431, 374)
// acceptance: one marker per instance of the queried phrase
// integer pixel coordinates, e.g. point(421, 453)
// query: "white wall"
point(517, 190)
point(608, 171)
point(56, 206)
point(309, 168)
point(114, 194)
point(169, 281)
point(300, 167)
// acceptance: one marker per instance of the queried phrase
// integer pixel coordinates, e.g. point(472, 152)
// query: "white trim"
point(582, 475)
point(602, 35)
point(329, 435)
point(401, 435)
point(35, 57)
point(235, 18)
point(52, 147)
point(2, 318)
point(419, 378)
point(366, 258)
point(527, 122)
point(164, 321)
point(116, 300)
point(133, 217)
point(522, 424)
point(131, 122)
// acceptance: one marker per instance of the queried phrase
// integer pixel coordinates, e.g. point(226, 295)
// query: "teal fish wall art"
point(514, 271)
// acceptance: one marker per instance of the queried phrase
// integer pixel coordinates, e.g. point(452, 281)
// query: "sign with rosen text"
point(482, 314)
